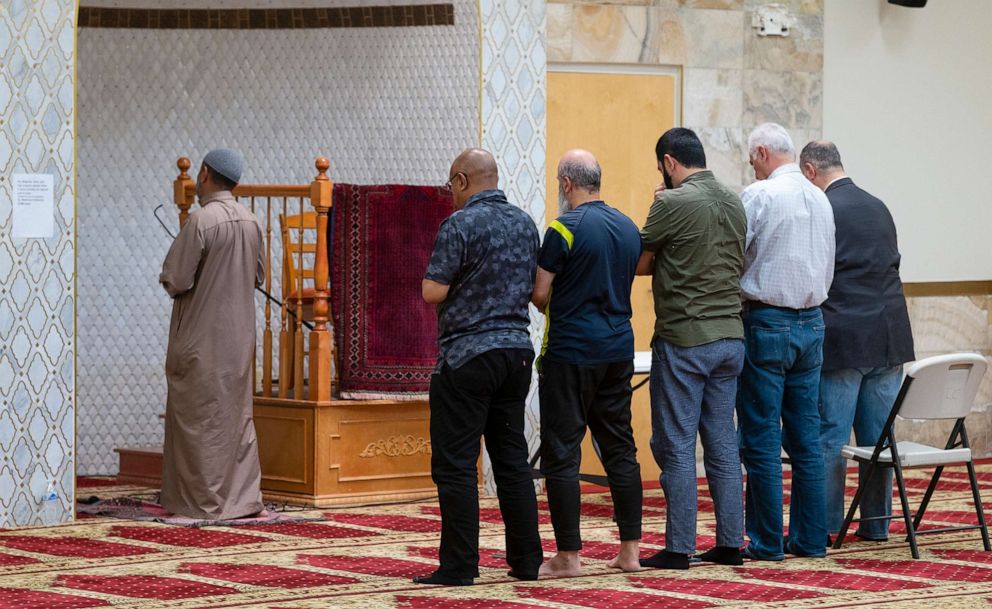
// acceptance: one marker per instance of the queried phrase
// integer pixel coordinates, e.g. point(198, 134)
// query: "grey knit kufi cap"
point(226, 162)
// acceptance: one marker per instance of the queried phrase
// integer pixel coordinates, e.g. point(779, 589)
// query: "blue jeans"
point(777, 407)
point(693, 389)
point(862, 398)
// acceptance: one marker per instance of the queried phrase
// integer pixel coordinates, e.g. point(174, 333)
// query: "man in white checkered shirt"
point(788, 267)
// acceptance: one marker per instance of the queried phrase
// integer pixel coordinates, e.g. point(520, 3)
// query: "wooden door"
point(619, 118)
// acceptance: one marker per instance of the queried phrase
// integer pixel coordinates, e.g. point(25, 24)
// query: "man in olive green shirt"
point(694, 249)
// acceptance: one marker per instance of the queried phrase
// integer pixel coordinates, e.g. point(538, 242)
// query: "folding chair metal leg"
point(952, 441)
point(976, 496)
point(926, 497)
point(978, 506)
point(906, 516)
point(854, 506)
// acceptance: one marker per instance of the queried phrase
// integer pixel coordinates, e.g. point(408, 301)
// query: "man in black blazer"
point(867, 339)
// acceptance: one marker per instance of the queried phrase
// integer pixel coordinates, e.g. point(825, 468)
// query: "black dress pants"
point(483, 397)
point(574, 396)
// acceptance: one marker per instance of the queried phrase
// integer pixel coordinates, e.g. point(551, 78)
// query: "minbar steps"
point(140, 465)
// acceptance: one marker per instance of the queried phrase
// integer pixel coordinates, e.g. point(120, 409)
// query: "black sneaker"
point(436, 579)
point(722, 556)
point(666, 560)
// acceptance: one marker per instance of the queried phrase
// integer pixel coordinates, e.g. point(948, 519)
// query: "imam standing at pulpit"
point(210, 463)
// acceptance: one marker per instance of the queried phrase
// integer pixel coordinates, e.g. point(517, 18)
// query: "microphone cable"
point(272, 298)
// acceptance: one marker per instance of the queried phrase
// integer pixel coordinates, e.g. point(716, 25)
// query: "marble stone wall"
point(732, 79)
point(945, 324)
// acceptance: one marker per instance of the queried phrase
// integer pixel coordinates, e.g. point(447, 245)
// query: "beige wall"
point(906, 97)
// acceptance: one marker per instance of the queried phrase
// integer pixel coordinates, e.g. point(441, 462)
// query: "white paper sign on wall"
point(34, 206)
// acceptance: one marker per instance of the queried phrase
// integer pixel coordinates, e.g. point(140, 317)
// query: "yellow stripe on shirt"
point(547, 324)
point(562, 230)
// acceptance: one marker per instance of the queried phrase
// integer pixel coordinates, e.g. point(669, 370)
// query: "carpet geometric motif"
point(364, 557)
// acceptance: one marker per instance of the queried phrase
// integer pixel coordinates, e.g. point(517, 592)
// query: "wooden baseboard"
point(349, 500)
point(140, 465)
point(337, 452)
point(947, 288)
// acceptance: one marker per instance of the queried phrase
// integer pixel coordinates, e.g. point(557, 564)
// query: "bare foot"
point(625, 565)
point(629, 557)
point(563, 564)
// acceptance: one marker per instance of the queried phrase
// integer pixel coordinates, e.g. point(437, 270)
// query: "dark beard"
point(667, 178)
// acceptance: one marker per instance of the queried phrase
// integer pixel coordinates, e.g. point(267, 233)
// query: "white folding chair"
point(941, 387)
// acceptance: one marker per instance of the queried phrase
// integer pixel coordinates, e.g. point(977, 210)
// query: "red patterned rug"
point(386, 335)
point(364, 558)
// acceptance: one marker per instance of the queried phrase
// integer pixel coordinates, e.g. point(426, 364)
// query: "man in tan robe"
point(210, 464)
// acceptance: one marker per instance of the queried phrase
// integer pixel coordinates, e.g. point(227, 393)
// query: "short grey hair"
point(583, 175)
point(772, 136)
point(822, 155)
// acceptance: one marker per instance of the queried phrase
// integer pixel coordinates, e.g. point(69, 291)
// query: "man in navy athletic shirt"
point(584, 275)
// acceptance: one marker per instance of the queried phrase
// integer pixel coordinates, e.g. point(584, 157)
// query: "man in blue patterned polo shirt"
point(480, 275)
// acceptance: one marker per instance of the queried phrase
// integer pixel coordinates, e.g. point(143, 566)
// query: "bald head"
point(473, 171)
point(477, 163)
point(579, 178)
point(582, 168)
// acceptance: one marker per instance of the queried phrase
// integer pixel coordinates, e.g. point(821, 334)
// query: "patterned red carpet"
point(364, 557)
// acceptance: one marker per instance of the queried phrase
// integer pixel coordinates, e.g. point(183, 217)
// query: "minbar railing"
point(303, 367)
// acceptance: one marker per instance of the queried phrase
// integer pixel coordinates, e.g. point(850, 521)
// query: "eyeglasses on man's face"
point(447, 184)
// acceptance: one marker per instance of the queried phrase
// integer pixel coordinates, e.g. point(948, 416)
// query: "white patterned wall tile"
point(514, 89)
point(383, 104)
point(36, 277)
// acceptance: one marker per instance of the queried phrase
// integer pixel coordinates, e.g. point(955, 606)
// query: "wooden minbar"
point(314, 449)
point(344, 451)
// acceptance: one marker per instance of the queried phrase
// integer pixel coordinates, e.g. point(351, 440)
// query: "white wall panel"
point(383, 104)
point(37, 295)
point(514, 95)
point(906, 98)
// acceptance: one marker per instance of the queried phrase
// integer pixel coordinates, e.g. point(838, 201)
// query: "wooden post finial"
point(322, 165)
point(183, 189)
point(321, 340)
